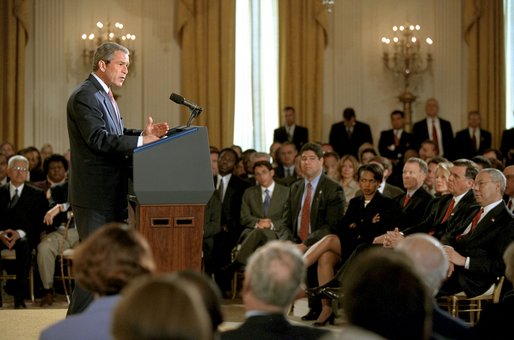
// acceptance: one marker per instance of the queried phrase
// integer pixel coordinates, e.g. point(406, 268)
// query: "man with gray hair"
point(475, 247)
point(273, 279)
point(431, 262)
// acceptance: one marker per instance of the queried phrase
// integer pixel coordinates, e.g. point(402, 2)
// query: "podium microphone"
point(182, 101)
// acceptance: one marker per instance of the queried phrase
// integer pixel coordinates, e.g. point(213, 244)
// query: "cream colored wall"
point(354, 74)
point(55, 64)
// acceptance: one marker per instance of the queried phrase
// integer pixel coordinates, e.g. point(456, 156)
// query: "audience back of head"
point(383, 294)
point(161, 307)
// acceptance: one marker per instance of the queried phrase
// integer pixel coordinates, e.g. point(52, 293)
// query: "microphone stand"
point(194, 114)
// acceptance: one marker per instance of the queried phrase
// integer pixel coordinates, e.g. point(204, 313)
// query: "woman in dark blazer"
point(368, 216)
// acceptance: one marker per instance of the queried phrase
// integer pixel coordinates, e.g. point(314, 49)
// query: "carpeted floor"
point(26, 324)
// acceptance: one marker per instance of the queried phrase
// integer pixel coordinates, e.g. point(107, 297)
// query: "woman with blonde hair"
point(348, 166)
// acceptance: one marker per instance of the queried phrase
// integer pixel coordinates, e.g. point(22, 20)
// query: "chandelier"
point(329, 4)
point(406, 60)
point(105, 33)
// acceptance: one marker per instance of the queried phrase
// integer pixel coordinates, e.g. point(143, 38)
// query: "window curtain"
point(205, 30)
point(14, 33)
point(484, 35)
point(302, 41)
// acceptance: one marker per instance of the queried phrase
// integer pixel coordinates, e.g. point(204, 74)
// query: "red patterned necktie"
point(474, 224)
point(114, 104)
point(435, 138)
point(448, 211)
point(306, 214)
point(406, 200)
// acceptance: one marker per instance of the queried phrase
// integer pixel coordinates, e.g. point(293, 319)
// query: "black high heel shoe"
point(330, 320)
point(331, 293)
point(319, 291)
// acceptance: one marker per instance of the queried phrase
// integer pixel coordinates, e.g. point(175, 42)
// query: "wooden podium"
point(173, 183)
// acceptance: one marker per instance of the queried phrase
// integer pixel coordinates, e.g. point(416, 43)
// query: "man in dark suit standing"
point(264, 212)
point(100, 146)
point(273, 279)
point(22, 207)
point(316, 206)
point(346, 136)
point(473, 140)
point(435, 129)
point(290, 132)
point(475, 249)
point(507, 146)
point(393, 143)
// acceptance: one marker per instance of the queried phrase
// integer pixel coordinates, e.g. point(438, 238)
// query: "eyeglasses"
point(481, 184)
point(19, 168)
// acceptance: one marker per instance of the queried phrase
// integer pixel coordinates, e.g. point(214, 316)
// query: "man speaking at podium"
point(100, 147)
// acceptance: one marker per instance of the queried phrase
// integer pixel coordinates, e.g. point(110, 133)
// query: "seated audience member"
point(482, 162)
point(366, 154)
point(237, 149)
point(441, 175)
point(273, 280)
point(387, 189)
point(493, 154)
point(46, 151)
point(430, 179)
point(497, 164)
point(208, 291)
point(7, 149)
point(212, 218)
point(35, 163)
point(104, 264)
point(445, 212)
point(496, 319)
point(256, 157)
point(56, 237)
point(330, 164)
point(22, 207)
point(316, 206)
point(287, 154)
point(3, 170)
point(475, 247)
point(431, 263)
point(348, 166)
point(161, 307)
point(368, 216)
point(416, 198)
point(384, 295)
point(273, 151)
point(326, 147)
point(427, 150)
point(264, 213)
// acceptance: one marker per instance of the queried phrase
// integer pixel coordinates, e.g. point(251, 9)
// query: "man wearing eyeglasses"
point(475, 248)
point(22, 208)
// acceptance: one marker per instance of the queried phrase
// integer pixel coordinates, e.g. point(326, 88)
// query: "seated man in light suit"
point(273, 279)
point(264, 217)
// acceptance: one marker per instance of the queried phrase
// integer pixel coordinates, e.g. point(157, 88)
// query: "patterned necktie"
point(435, 138)
point(474, 224)
point(267, 200)
point(474, 139)
point(448, 211)
point(406, 200)
point(306, 214)
point(14, 199)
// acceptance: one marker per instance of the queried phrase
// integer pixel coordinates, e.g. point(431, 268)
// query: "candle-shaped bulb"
point(99, 25)
point(429, 41)
point(84, 36)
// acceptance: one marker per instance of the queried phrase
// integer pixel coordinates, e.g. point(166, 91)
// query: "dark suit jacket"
point(252, 210)
point(507, 146)
point(280, 172)
point(436, 210)
point(357, 226)
point(420, 131)
point(231, 206)
point(485, 247)
point(100, 148)
point(28, 213)
point(414, 211)
point(387, 148)
point(272, 326)
point(327, 208)
point(466, 149)
point(343, 145)
point(300, 136)
point(392, 191)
